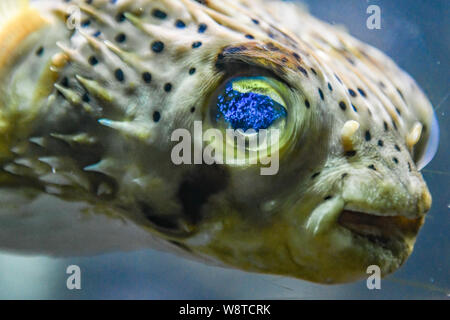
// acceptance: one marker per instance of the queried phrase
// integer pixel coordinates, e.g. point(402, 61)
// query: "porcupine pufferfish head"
point(354, 130)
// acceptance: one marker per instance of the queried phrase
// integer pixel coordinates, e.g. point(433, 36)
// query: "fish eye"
point(252, 115)
point(250, 104)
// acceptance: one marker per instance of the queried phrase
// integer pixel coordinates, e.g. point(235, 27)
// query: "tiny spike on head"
point(39, 141)
point(95, 89)
point(76, 139)
point(69, 94)
point(16, 169)
point(414, 135)
point(57, 179)
point(74, 98)
point(129, 58)
point(134, 20)
point(72, 54)
point(130, 129)
point(347, 132)
point(93, 42)
point(105, 166)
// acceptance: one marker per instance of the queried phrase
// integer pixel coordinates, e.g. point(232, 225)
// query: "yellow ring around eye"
point(258, 85)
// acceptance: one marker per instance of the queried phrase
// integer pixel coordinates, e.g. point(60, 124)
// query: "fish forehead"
point(178, 44)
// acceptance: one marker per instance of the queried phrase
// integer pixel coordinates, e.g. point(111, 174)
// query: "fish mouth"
point(388, 232)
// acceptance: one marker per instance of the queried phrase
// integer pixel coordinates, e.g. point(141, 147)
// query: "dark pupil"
point(248, 110)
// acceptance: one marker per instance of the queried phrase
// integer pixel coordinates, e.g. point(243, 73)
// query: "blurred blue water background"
point(414, 33)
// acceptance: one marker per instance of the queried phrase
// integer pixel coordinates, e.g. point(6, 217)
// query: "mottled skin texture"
point(102, 134)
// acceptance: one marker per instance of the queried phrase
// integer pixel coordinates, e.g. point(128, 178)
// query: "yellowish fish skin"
point(87, 115)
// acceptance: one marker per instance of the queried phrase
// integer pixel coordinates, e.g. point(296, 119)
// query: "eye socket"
point(250, 104)
point(251, 114)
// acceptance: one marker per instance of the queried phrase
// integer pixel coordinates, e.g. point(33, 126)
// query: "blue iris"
point(248, 110)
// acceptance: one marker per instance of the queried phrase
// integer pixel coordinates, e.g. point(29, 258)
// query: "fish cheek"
point(197, 188)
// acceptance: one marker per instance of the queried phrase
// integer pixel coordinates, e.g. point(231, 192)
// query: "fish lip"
point(387, 231)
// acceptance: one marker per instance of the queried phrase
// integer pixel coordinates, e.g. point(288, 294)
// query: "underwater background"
point(416, 34)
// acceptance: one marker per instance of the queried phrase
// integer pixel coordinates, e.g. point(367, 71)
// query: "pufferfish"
point(91, 92)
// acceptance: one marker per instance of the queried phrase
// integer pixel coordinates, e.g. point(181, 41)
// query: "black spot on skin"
point(302, 70)
point(350, 153)
point(330, 87)
point(395, 125)
point(401, 94)
point(296, 56)
point(249, 36)
point(395, 160)
point(86, 98)
point(315, 175)
point(397, 148)
point(327, 198)
point(158, 46)
point(119, 75)
point(362, 92)
point(255, 21)
point(382, 85)
point(120, 17)
point(85, 23)
point(307, 104)
point(398, 111)
point(159, 14)
point(321, 94)
point(40, 51)
point(386, 127)
point(196, 45)
point(314, 71)
point(192, 71)
point(344, 175)
point(147, 77)
point(352, 92)
point(380, 143)
point(409, 167)
point(354, 108)
point(192, 109)
point(284, 60)
point(65, 82)
point(272, 47)
point(202, 28)
point(234, 50)
point(162, 222)
point(342, 105)
point(156, 116)
point(121, 37)
point(167, 87)
point(337, 78)
point(180, 24)
point(368, 136)
point(93, 60)
point(351, 60)
point(198, 187)
point(372, 167)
